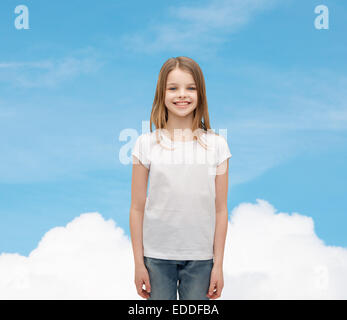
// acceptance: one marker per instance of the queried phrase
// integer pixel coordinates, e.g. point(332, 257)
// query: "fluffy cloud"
point(90, 258)
point(274, 255)
point(268, 255)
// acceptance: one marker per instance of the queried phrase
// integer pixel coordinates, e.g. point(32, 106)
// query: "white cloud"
point(268, 255)
point(278, 256)
point(89, 258)
point(49, 73)
point(199, 27)
point(221, 13)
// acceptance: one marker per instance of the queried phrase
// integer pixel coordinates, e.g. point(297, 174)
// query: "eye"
point(193, 88)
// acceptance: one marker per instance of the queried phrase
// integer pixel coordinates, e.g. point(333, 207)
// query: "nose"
point(182, 93)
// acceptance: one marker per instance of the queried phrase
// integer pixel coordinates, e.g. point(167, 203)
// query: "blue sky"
point(84, 72)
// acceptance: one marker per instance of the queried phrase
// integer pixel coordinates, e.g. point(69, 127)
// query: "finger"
point(148, 285)
point(211, 288)
point(139, 289)
point(219, 291)
point(210, 291)
point(213, 294)
point(145, 294)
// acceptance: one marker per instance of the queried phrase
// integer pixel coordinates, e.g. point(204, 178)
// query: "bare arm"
point(221, 213)
point(138, 201)
point(216, 278)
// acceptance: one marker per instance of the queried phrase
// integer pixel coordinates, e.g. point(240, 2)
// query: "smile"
point(181, 104)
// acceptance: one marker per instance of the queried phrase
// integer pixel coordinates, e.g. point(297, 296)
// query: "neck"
point(180, 128)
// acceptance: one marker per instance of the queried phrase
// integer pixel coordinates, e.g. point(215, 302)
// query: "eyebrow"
point(189, 84)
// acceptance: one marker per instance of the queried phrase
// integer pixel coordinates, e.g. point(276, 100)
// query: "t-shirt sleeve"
point(223, 151)
point(140, 150)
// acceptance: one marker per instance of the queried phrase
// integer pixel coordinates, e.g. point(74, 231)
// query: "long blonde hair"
point(159, 114)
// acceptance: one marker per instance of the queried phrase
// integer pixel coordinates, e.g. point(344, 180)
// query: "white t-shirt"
point(180, 213)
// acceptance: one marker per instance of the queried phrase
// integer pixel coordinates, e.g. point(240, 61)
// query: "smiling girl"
point(178, 230)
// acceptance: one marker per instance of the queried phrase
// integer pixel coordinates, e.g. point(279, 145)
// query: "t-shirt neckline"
point(176, 142)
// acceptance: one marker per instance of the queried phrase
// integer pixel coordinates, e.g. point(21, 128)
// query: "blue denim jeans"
point(191, 278)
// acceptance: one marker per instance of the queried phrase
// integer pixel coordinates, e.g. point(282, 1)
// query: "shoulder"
point(144, 136)
point(147, 139)
point(220, 140)
point(214, 139)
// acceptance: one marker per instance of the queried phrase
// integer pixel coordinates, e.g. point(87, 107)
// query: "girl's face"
point(181, 96)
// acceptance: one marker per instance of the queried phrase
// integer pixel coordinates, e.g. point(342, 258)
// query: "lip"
point(182, 106)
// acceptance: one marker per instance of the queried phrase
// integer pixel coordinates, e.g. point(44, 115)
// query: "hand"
point(216, 283)
point(142, 277)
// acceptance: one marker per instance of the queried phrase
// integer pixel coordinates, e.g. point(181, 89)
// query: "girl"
point(178, 232)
